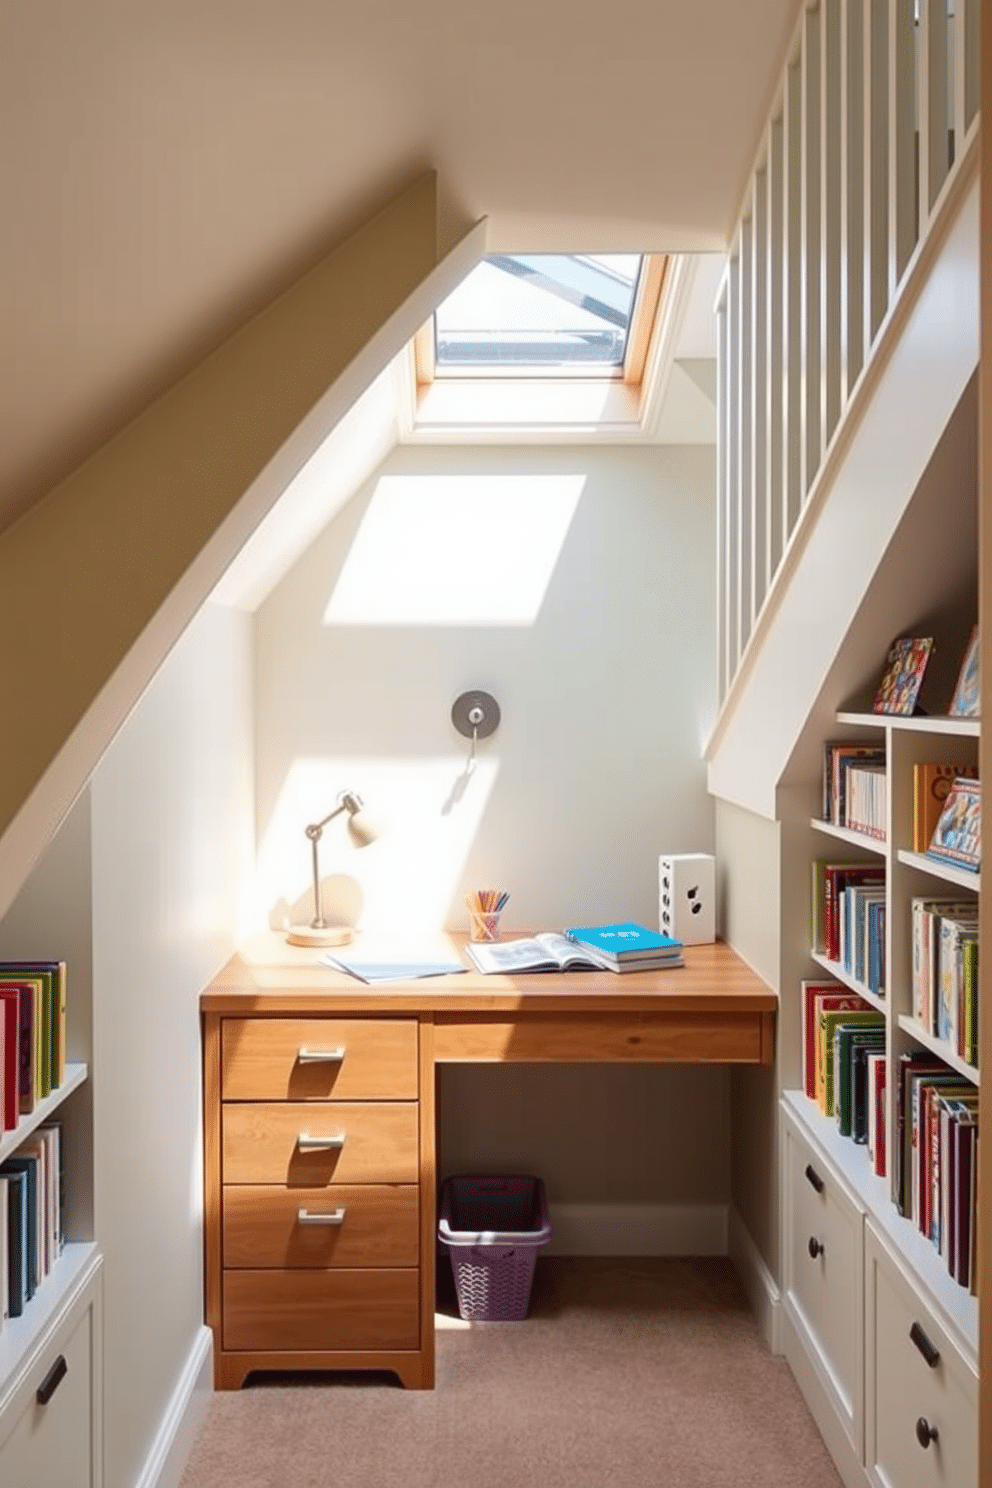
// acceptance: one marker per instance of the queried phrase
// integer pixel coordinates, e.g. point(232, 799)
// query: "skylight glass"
point(524, 313)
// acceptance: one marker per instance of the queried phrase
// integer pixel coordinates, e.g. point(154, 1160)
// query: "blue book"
point(28, 1166)
point(625, 941)
point(16, 1220)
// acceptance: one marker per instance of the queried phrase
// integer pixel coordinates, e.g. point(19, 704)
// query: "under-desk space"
point(320, 1129)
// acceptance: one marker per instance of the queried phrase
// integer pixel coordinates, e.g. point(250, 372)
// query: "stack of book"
point(627, 947)
point(32, 1035)
point(32, 1233)
point(936, 1158)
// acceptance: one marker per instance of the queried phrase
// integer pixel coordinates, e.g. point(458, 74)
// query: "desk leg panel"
point(423, 1377)
point(688, 1038)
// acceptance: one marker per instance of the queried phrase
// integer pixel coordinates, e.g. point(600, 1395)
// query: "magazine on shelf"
point(957, 837)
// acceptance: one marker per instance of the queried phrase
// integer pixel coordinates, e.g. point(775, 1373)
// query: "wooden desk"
point(319, 1165)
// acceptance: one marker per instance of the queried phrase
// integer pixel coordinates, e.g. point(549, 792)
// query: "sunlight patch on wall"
point(427, 813)
point(455, 550)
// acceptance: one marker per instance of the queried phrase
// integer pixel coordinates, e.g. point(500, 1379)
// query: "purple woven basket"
point(493, 1227)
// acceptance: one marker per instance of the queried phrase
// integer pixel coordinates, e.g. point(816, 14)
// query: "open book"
point(545, 952)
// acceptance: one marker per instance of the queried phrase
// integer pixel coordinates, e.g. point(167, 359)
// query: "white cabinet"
point(822, 1267)
point(889, 1373)
point(921, 1407)
point(50, 1410)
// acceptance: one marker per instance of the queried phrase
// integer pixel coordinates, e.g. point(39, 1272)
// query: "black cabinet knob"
point(925, 1433)
point(815, 1247)
point(813, 1177)
point(52, 1380)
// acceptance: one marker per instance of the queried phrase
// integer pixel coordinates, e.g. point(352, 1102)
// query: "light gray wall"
point(576, 585)
point(171, 843)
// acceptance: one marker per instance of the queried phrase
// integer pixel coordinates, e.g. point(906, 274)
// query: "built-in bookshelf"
point(908, 874)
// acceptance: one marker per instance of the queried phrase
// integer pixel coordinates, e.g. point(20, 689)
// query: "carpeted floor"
point(639, 1373)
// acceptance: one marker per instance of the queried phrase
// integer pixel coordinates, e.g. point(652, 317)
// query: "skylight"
point(528, 314)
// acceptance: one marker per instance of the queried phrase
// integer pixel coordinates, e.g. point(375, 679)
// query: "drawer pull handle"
point(52, 1380)
point(336, 1217)
point(815, 1247)
point(321, 1056)
point(925, 1433)
point(924, 1345)
point(814, 1177)
point(318, 1144)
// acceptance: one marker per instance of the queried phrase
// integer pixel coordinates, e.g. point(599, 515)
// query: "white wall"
point(575, 585)
point(171, 840)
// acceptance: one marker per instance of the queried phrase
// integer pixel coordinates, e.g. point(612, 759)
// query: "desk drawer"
point(280, 1059)
point(321, 1310)
point(379, 1226)
point(262, 1143)
point(909, 1383)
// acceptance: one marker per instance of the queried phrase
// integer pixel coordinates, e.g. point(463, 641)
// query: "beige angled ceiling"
point(166, 165)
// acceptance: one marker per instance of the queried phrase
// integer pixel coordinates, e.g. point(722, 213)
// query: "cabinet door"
point(922, 1393)
point(822, 1263)
point(46, 1432)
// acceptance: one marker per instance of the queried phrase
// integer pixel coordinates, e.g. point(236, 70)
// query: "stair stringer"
point(893, 425)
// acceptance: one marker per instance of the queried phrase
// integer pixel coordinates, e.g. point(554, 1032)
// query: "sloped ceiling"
point(167, 165)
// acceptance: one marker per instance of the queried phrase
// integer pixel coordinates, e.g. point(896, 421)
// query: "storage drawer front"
point(261, 1059)
point(321, 1310)
point(380, 1226)
point(825, 1287)
point(52, 1444)
point(903, 1390)
point(261, 1143)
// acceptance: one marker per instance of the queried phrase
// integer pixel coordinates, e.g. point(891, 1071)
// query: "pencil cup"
point(483, 924)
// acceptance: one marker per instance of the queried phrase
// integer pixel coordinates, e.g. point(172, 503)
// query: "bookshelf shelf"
point(936, 724)
point(853, 839)
point(75, 1075)
point(20, 1335)
point(839, 974)
point(940, 1047)
point(962, 878)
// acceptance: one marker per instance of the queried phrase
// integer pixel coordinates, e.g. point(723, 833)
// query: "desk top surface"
point(267, 976)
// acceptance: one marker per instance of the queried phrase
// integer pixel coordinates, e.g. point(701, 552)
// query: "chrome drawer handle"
point(336, 1217)
point(318, 1144)
point(321, 1056)
point(925, 1433)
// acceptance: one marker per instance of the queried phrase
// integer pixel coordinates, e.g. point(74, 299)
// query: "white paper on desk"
point(373, 972)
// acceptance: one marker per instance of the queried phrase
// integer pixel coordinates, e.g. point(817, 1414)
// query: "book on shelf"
point(957, 837)
point(926, 915)
point(931, 783)
point(964, 1224)
point(955, 933)
point(818, 997)
point(849, 1039)
point(17, 1240)
point(966, 700)
point(866, 799)
point(877, 1077)
point(826, 1074)
point(627, 945)
point(899, 686)
point(829, 881)
point(840, 759)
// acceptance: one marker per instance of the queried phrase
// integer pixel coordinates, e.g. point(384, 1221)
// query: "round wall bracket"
point(475, 714)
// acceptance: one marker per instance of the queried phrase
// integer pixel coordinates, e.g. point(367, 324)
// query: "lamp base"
point(330, 935)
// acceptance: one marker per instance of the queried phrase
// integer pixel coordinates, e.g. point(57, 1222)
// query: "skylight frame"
point(644, 316)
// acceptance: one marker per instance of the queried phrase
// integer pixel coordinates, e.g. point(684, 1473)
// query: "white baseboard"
point(166, 1462)
point(759, 1283)
point(637, 1229)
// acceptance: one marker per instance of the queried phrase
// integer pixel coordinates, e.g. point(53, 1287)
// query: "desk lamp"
point(361, 832)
